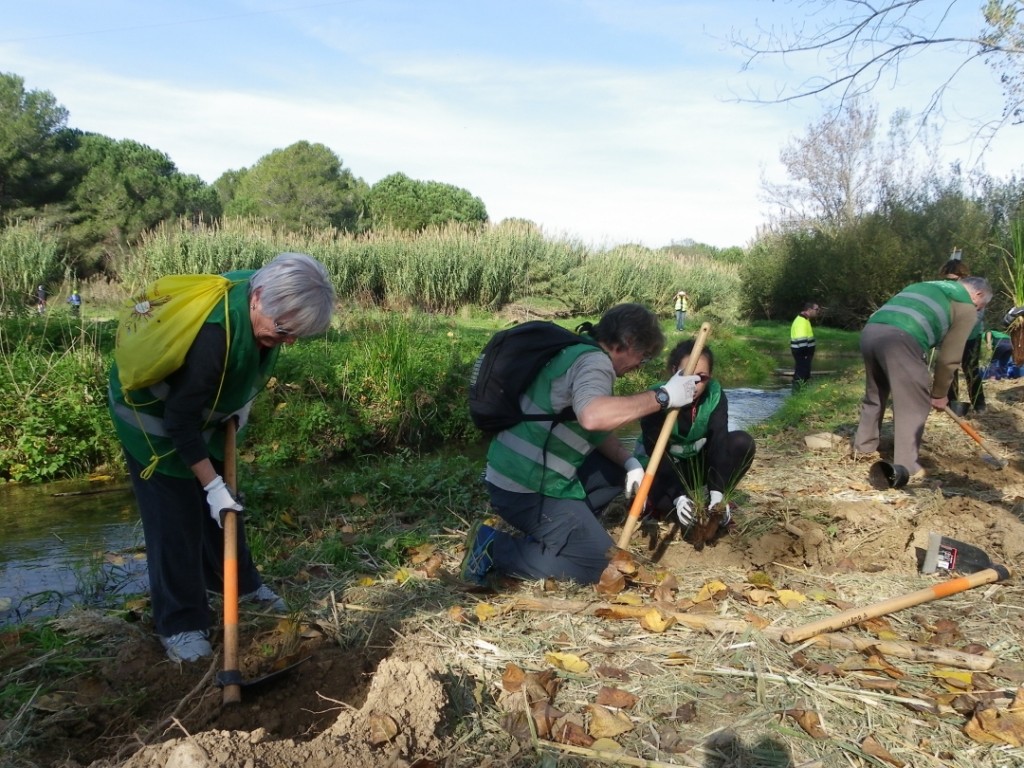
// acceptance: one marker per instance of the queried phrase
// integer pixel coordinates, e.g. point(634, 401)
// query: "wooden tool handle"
point(974, 435)
point(232, 692)
point(857, 615)
point(659, 447)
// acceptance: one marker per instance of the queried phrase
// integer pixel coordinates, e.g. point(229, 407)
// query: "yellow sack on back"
point(158, 326)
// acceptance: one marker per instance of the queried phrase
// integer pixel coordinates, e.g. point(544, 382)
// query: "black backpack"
point(508, 364)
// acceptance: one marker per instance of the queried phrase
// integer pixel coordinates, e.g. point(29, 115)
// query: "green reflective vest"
point(923, 310)
point(679, 445)
point(138, 416)
point(541, 456)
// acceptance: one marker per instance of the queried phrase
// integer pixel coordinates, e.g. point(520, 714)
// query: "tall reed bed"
point(444, 269)
point(29, 256)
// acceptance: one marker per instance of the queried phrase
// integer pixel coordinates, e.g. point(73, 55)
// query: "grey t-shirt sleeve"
point(590, 376)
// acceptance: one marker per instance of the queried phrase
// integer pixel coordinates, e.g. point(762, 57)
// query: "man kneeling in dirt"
point(534, 468)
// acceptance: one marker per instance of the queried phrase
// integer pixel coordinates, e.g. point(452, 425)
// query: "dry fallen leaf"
point(997, 726)
point(809, 721)
point(383, 728)
point(569, 731)
point(955, 679)
point(623, 562)
point(606, 745)
point(485, 611)
point(654, 621)
point(790, 597)
point(611, 582)
point(570, 662)
point(615, 697)
point(709, 590)
point(604, 723)
point(872, 747)
point(665, 591)
point(512, 678)
point(612, 673)
point(544, 718)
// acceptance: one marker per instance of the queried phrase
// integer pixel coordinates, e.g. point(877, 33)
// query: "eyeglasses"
point(280, 330)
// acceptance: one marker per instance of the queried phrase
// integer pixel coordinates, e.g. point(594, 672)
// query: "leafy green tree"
point(303, 186)
point(126, 188)
point(33, 147)
point(407, 204)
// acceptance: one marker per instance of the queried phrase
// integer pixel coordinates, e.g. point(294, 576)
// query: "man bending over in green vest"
point(550, 479)
point(939, 313)
point(702, 452)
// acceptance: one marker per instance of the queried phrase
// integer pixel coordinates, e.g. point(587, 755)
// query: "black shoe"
point(960, 409)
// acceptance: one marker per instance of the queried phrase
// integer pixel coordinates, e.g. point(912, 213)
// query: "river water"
point(80, 542)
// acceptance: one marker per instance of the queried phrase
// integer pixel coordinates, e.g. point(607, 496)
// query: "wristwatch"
point(661, 395)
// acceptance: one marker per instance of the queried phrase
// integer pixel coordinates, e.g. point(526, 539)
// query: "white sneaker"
point(267, 598)
point(188, 646)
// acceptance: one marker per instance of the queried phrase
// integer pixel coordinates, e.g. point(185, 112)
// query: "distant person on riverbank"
point(40, 300)
point(702, 453)
point(682, 306)
point(549, 479)
point(172, 433)
point(939, 313)
point(970, 361)
point(802, 344)
point(75, 300)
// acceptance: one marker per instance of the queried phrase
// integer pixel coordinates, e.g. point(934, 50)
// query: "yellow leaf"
point(957, 679)
point(605, 724)
point(758, 596)
point(606, 745)
point(654, 621)
point(790, 597)
point(709, 590)
point(888, 634)
point(567, 661)
point(485, 611)
point(366, 581)
point(628, 599)
point(402, 575)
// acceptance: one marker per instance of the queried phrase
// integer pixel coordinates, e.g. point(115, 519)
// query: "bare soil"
point(389, 690)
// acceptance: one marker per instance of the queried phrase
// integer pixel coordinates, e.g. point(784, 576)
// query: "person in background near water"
point(550, 479)
point(970, 362)
point(182, 419)
point(75, 300)
point(801, 344)
point(894, 343)
point(682, 306)
point(40, 299)
point(701, 451)
point(1002, 353)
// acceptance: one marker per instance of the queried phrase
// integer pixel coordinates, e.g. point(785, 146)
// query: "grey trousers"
point(561, 539)
point(893, 365)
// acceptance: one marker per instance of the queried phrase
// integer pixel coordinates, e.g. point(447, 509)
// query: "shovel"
point(996, 459)
point(967, 558)
point(230, 678)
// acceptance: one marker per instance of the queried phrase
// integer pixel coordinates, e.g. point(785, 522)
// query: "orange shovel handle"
point(637, 506)
point(232, 692)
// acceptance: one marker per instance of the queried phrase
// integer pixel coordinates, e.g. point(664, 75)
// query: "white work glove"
point(219, 497)
point(716, 499)
point(242, 414)
point(684, 510)
point(634, 476)
point(682, 451)
point(681, 390)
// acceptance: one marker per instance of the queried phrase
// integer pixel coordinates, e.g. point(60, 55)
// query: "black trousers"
point(184, 550)
point(802, 359)
point(971, 366)
point(676, 477)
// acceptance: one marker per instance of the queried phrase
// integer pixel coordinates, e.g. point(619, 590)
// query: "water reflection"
point(66, 543)
point(69, 543)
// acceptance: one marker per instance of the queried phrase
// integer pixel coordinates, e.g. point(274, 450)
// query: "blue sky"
point(606, 121)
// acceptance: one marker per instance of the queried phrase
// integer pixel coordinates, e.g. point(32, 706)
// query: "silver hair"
point(979, 285)
point(296, 286)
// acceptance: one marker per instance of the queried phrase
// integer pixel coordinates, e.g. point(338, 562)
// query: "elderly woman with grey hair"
point(172, 434)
